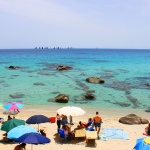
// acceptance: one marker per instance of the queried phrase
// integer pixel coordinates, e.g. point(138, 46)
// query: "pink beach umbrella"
point(13, 105)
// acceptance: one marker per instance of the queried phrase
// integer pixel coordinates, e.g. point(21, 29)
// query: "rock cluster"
point(133, 119)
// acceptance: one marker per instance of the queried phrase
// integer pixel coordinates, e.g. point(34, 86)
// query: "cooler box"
point(52, 119)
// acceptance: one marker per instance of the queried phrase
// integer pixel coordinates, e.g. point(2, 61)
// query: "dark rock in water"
point(133, 100)
point(82, 85)
point(16, 95)
point(63, 67)
point(39, 84)
point(119, 85)
point(14, 67)
point(127, 92)
point(44, 73)
point(122, 104)
point(147, 110)
point(95, 80)
point(90, 91)
point(148, 84)
point(55, 92)
point(62, 98)
point(133, 119)
point(89, 96)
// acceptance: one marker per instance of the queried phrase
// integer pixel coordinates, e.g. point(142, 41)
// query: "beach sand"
point(110, 120)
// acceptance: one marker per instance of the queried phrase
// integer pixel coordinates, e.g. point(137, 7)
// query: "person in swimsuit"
point(97, 122)
point(58, 117)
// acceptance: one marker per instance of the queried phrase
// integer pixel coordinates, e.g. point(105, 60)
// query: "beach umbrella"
point(13, 105)
point(19, 131)
point(32, 138)
point(37, 119)
point(10, 112)
point(10, 124)
point(142, 144)
point(71, 111)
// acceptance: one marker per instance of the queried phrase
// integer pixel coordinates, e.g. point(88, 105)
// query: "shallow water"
point(126, 74)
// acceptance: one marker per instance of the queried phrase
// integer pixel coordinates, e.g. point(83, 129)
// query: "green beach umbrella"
point(10, 124)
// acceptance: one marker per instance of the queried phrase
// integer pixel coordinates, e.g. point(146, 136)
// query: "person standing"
point(58, 117)
point(97, 122)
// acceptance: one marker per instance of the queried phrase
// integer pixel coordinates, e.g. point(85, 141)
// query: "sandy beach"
point(110, 120)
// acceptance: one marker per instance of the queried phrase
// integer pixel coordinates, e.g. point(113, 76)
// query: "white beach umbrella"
point(71, 110)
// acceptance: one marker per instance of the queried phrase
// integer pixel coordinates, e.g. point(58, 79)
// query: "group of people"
point(92, 122)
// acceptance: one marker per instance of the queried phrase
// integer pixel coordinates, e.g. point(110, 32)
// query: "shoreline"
point(110, 120)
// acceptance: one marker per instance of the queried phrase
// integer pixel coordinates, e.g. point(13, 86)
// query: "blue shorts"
point(97, 125)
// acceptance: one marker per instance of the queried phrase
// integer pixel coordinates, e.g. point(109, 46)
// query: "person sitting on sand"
point(147, 130)
point(42, 132)
point(5, 138)
point(21, 146)
point(68, 133)
point(9, 118)
point(89, 123)
point(79, 126)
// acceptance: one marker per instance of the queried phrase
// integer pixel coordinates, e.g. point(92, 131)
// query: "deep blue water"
point(126, 74)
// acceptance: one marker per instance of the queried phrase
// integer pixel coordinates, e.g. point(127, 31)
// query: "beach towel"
point(113, 133)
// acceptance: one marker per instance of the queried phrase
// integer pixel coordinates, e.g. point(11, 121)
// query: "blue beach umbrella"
point(142, 144)
point(19, 131)
point(37, 119)
point(32, 138)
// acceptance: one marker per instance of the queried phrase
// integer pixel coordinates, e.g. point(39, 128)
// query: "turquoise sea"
point(126, 73)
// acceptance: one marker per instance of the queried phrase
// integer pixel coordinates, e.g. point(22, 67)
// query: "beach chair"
point(80, 133)
point(91, 136)
point(62, 135)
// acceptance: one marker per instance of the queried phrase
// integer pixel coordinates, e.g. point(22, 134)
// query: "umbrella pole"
point(38, 127)
point(31, 146)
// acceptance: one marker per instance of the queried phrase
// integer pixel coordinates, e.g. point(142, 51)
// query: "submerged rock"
point(63, 67)
point(95, 80)
point(89, 95)
point(62, 98)
point(14, 67)
point(39, 84)
point(16, 95)
point(133, 119)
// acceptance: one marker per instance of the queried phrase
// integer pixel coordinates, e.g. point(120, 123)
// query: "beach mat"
point(113, 133)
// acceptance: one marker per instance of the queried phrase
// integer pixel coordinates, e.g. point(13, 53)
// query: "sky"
point(75, 23)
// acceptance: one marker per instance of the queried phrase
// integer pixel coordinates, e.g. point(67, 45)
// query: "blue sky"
point(75, 23)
